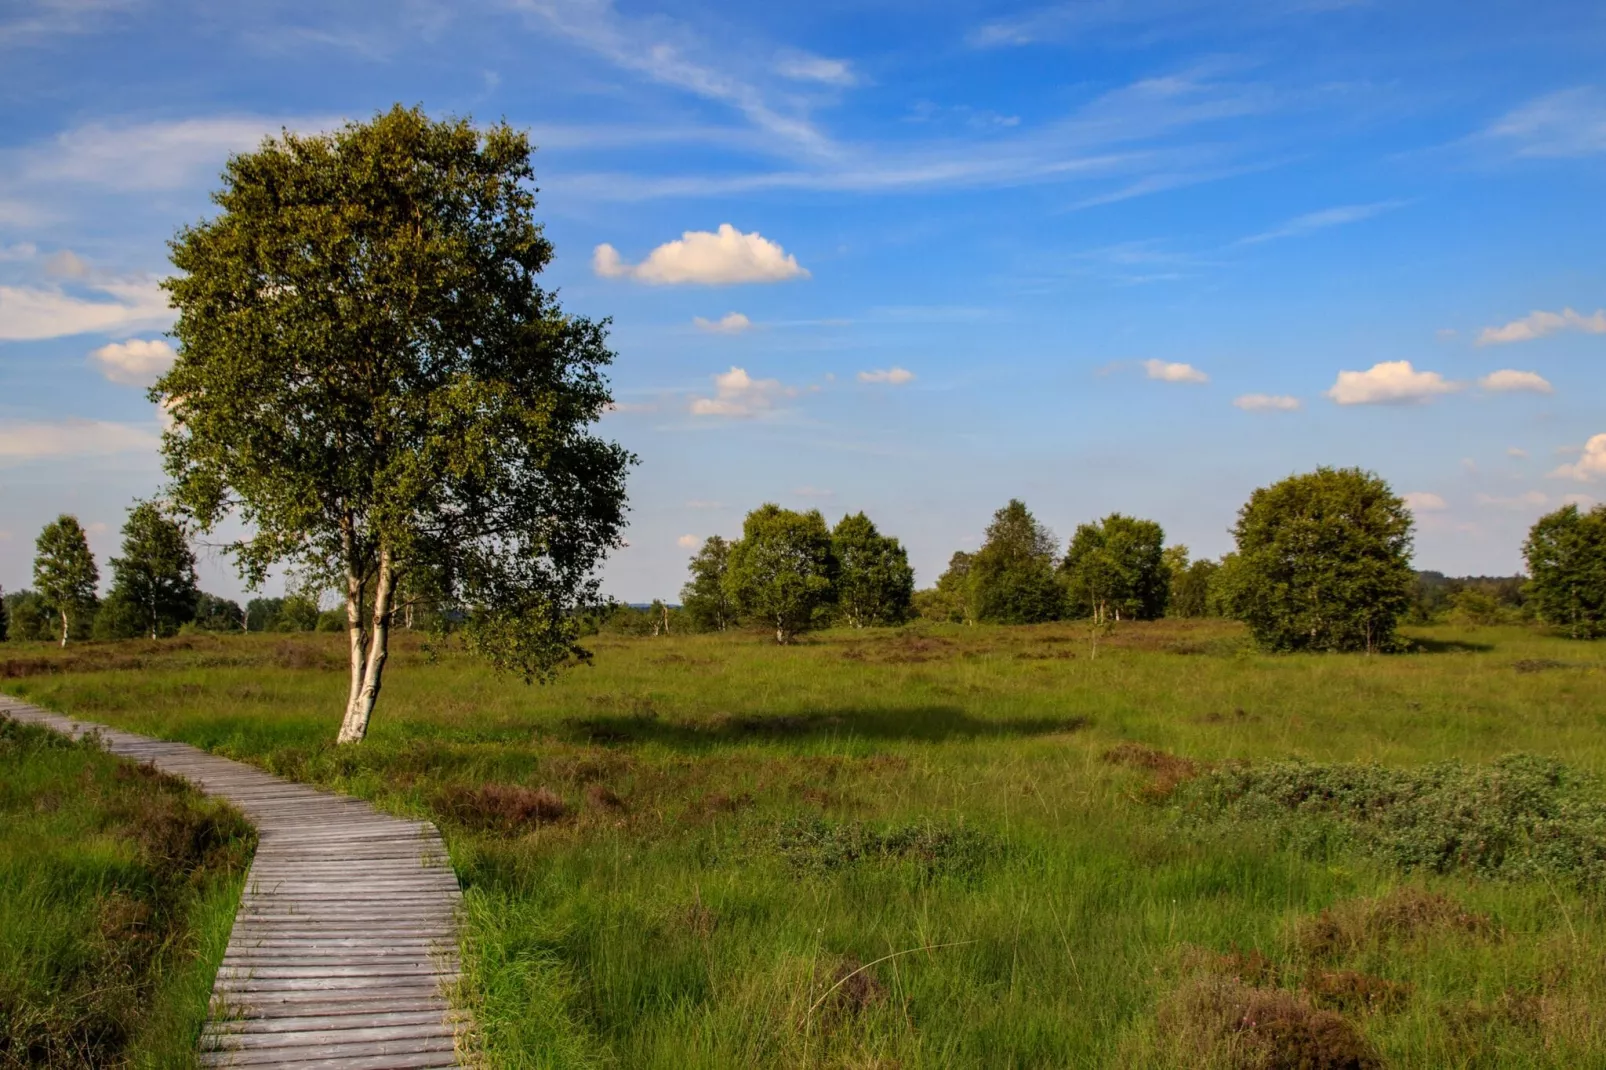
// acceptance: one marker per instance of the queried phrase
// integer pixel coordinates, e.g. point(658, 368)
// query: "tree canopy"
point(1116, 569)
point(1566, 554)
point(874, 583)
point(1323, 563)
point(370, 378)
point(1012, 576)
point(154, 579)
point(65, 574)
point(782, 571)
point(706, 597)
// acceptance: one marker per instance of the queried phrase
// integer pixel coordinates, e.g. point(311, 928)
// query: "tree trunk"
point(63, 628)
point(368, 666)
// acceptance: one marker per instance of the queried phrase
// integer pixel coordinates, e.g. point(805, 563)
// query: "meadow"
point(950, 846)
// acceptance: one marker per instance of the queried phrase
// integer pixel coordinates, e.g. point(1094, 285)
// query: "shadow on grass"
point(1448, 646)
point(931, 724)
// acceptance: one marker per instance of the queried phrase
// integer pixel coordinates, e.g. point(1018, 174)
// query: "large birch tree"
point(371, 380)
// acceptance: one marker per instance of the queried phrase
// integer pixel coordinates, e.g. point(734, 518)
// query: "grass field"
point(117, 890)
point(683, 854)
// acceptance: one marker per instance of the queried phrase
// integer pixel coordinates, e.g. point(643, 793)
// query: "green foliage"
point(65, 573)
point(874, 584)
point(331, 620)
point(370, 378)
point(262, 614)
point(1566, 554)
point(821, 846)
point(705, 597)
point(30, 619)
point(155, 576)
point(952, 599)
point(1116, 569)
point(1012, 576)
point(782, 572)
point(1323, 563)
point(297, 613)
point(1434, 597)
point(5, 620)
point(214, 614)
point(1192, 587)
point(1522, 817)
point(119, 617)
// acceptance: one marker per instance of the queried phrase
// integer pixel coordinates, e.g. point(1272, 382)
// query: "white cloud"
point(1508, 380)
point(1591, 463)
point(66, 264)
point(1518, 452)
point(720, 258)
point(30, 314)
point(136, 362)
point(1173, 372)
point(1570, 123)
point(1390, 382)
point(738, 394)
point(1423, 501)
point(802, 67)
point(688, 542)
point(32, 440)
point(729, 323)
point(1311, 222)
point(22, 251)
point(1532, 499)
point(893, 376)
point(1267, 403)
point(1538, 323)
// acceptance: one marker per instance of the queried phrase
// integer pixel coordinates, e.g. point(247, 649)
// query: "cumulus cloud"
point(1509, 381)
point(32, 440)
point(699, 257)
point(136, 362)
point(1390, 382)
point(1423, 501)
point(1591, 463)
point(802, 67)
point(893, 376)
point(1173, 372)
point(740, 395)
point(1538, 323)
point(1532, 499)
point(688, 542)
point(729, 323)
point(1266, 403)
point(29, 314)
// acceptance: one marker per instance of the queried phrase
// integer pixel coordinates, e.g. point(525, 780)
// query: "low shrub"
point(823, 846)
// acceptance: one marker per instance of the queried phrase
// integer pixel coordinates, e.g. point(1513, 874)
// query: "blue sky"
point(915, 259)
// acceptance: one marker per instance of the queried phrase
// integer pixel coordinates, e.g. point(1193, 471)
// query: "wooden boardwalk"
point(346, 932)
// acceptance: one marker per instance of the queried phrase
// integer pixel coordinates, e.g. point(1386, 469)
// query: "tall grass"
point(117, 891)
point(732, 830)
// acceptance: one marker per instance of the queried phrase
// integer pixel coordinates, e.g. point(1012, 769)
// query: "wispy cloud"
point(1424, 501)
point(116, 307)
point(1173, 372)
point(1566, 124)
point(729, 323)
point(34, 440)
point(721, 258)
point(891, 376)
point(1538, 324)
point(1266, 403)
point(1311, 222)
point(803, 67)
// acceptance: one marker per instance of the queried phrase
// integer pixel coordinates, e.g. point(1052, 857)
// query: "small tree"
point(1191, 586)
point(1116, 569)
point(214, 614)
point(1566, 554)
point(875, 584)
point(65, 573)
point(370, 378)
point(1012, 575)
point(1323, 563)
point(705, 597)
point(156, 573)
point(30, 620)
point(782, 571)
point(951, 599)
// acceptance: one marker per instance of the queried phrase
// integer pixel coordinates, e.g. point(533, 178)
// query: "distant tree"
point(1566, 554)
point(1476, 608)
point(5, 618)
point(1323, 563)
point(705, 597)
point(1191, 590)
point(782, 572)
point(297, 613)
point(65, 573)
point(214, 614)
point(156, 572)
point(875, 584)
point(1012, 576)
point(1115, 569)
point(30, 619)
point(951, 599)
point(262, 614)
point(370, 378)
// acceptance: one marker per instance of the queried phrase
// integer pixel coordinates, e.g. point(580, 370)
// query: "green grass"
point(744, 826)
point(117, 891)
